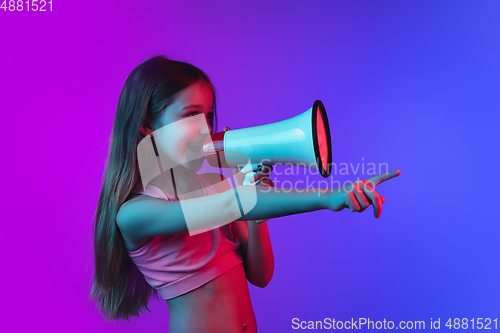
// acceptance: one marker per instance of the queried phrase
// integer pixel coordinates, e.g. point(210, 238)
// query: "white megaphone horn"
point(300, 140)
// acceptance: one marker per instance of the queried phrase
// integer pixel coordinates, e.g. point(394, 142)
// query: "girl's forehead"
point(198, 93)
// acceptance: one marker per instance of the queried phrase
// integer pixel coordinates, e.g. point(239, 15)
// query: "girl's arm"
point(255, 246)
point(255, 243)
point(142, 218)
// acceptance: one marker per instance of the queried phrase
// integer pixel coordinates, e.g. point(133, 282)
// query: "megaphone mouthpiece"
point(213, 147)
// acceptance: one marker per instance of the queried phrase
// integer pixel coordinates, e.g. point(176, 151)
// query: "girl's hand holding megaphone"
point(359, 195)
point(262, 175)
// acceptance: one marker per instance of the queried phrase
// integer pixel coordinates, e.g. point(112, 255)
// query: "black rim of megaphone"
point(324, 173)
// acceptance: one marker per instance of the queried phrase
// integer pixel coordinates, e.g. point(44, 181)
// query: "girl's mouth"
point(194, 146)
point(197, 153)
point(196, 149)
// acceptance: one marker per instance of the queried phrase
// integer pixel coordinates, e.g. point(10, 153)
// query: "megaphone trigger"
point(249, 175)
point(250, 170)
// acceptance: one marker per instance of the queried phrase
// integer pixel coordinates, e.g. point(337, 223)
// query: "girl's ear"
point(146, 127)
point(145, 130)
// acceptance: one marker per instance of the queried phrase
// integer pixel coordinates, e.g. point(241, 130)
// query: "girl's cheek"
point(167, 144)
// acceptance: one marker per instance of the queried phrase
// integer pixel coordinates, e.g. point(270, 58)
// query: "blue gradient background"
point(414, 84)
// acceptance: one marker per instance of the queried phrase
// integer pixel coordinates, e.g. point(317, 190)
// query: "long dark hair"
point(119, 288)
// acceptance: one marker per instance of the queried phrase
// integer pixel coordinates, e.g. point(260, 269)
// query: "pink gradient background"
point(413, 84)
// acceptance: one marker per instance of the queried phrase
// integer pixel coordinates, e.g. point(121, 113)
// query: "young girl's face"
point(184, 125)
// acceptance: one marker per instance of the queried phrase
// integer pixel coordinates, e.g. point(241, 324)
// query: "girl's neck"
point(185, 181)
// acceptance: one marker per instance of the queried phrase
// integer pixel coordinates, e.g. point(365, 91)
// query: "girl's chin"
point(195, 157)
point(193, 164)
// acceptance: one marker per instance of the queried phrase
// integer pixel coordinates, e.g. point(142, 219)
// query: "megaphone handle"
point(255, 168)
point(249, 175)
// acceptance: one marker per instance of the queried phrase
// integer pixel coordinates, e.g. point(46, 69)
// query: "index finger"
point(375, 198)
point(383, 177)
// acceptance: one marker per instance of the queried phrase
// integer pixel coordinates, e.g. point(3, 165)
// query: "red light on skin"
point(323, 144)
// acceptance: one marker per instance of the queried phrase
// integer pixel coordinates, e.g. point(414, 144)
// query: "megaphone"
point(303, 139)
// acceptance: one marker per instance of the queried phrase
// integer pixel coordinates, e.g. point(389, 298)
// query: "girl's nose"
point(206, 129)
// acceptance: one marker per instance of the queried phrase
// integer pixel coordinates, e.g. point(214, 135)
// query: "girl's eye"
point(210, 115)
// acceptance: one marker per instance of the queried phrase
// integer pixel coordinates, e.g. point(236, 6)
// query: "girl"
point(141, 240)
